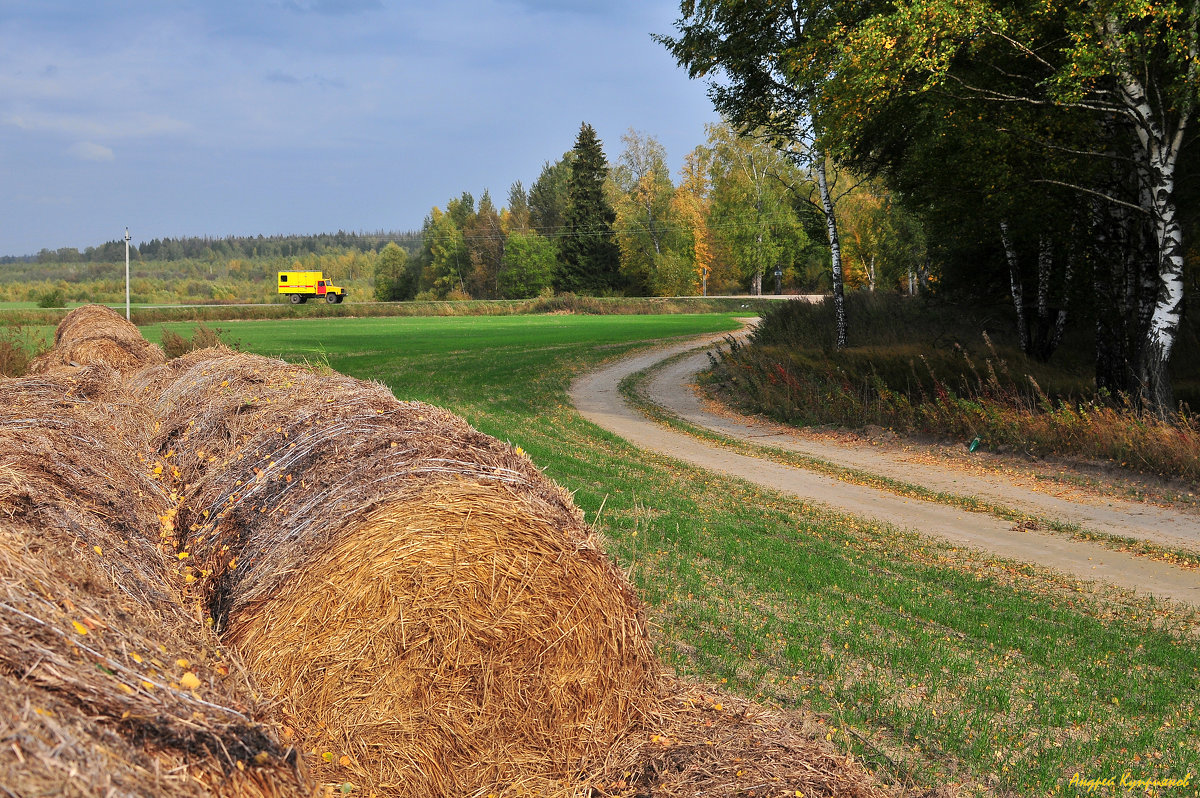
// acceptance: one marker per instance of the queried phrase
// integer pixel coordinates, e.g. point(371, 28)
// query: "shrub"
point(18, 346)
point(54, 298)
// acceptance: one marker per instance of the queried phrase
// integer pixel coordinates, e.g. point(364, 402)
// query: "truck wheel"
point(331, 298)
point(340, 297)
point(296, 299)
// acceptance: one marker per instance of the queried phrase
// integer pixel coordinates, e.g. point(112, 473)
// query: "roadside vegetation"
point(933, 369)
point(939, 666)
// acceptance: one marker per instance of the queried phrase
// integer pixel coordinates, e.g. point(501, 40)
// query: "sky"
point(239, 117)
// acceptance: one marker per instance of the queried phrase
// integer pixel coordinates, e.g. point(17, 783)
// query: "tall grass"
point(908, 370)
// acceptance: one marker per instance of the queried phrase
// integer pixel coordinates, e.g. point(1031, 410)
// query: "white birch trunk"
point(835, 249)
point(1018, 292)
point(1160, 142)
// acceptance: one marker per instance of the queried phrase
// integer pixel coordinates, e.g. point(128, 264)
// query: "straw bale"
point(97, 335)
point(110, 685)
point(419, 596)
point(707, 742)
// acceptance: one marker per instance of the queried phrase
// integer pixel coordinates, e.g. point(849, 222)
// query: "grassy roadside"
point(633, 389)
point(937, 665)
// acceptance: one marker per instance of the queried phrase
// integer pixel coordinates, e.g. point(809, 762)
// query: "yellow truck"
point(300, 286)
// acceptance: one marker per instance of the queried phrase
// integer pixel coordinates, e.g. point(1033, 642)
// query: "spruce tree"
point(589, 252)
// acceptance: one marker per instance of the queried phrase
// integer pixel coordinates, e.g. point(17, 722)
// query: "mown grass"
point(935, 664)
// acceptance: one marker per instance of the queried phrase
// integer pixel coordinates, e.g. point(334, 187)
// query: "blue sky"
point(192, 117)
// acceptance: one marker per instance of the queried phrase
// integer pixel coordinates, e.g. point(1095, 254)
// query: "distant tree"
point(691, 206)
point(444, 258)
point(393, 281)
point(484, 239)
point(591, 260)
point(548, 197)
point(646, 232)
point(461, 210)
point(516, 215)
point(752, 208)
point(528, 266)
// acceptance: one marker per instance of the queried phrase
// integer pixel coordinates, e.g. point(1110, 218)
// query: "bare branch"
point(996, 96)
point(1021, 48)
point(1069, 150)
point(1093, 192)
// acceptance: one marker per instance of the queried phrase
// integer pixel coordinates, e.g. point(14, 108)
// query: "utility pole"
point(126, 274)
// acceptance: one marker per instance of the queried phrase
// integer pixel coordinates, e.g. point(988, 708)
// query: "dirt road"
point(597, 398)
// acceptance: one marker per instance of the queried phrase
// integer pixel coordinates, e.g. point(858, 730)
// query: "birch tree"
point(1128, 66)
point(642, 201)
point(751, 211)
point(768, 63)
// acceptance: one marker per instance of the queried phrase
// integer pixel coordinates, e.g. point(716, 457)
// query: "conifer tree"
point(590, 256)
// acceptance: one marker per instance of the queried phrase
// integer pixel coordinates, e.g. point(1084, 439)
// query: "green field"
point(936, 665)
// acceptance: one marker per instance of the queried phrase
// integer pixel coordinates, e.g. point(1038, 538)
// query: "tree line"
point(740, 212)
point(208, 248)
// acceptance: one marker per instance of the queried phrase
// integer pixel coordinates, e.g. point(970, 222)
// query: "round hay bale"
point(455, 642)
point(108, 680)
point(97, 335)
point(431, 608)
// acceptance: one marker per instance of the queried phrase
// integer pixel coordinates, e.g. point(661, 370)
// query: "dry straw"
point(432, 609)
point(97, 335)
point(108, 683)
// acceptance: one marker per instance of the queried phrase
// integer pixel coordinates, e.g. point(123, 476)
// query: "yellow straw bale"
point(108, 683)
point(419, 596)
point(97, 335)
point(453, 644)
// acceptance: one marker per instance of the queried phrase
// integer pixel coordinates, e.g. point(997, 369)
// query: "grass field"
point(936, 665)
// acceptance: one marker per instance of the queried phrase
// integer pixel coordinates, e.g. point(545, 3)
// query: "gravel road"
point(596, 396)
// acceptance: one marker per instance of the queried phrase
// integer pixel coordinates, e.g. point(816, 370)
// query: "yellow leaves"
point(98, 550)
point(125, 688)
point(183, 555)
point(261, 758)
point(182, 662)
point(80, 628)
point(147, 685)
point(189, 680)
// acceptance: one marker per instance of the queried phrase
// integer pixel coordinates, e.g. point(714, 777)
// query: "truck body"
point(300, 286)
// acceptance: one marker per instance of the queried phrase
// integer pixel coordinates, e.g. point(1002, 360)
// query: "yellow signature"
point(1128, 782)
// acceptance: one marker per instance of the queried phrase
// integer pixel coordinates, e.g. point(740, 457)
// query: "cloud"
point(275, 76)
point(90, 151)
